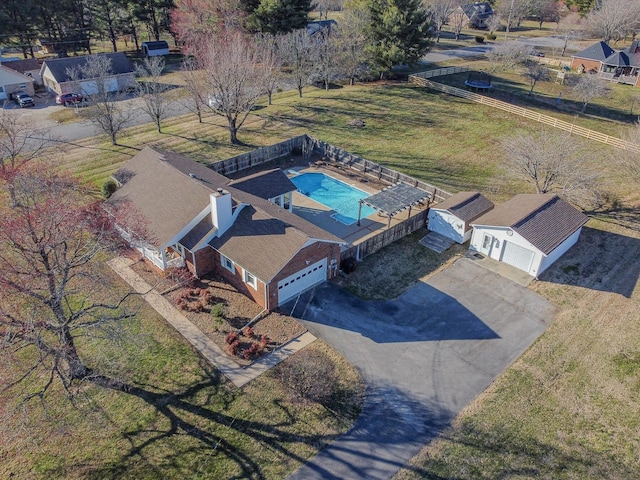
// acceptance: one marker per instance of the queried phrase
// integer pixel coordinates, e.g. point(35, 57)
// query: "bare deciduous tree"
point(234, 78)
point(20, 143)
point(105, 106)
point(614, 19)
point(494, 23)
point(440, 10)
point(151, 90)
point(350, 41)
point(456, 19)
point(271, 63)
point(513, 12)
point(509, 54)
point(589, 87)
point(535, 73)
point(569, 28)
point(54, 300)
point(552, 163)
point(195, 86)
point(300, 53)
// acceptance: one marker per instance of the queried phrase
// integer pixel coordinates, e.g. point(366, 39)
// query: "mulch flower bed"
point(222, 314)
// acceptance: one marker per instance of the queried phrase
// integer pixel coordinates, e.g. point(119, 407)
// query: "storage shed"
point(452, 218)
point(529, 232)
point(155, 49)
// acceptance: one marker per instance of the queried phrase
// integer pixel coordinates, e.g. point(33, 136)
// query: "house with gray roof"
point(56, 76)
point(452, 218)
point(473, 15)
point(241, 230)
point(529, 231)
point(620, 66)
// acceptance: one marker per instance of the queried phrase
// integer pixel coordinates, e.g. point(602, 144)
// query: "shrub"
point(231, 337)
point(310, 375)
point(108, 188)
point(479, 39)
point(217, 310)
point(264, 341)
point(205, 297)
point(233, 348)
point(253, 351)
point(247, 331)
point(491, 36)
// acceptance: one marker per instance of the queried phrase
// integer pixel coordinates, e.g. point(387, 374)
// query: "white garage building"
point(529, 232)
point(452, 218)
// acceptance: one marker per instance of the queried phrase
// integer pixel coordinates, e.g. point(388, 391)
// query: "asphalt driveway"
point(423, 356)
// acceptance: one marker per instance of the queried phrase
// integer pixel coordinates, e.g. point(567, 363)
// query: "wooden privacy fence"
point(259, 156)
point(386, 237)
point(374, 170)
point(420, 79)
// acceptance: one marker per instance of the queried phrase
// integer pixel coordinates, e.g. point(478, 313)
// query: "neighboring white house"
point(29, 67)
point(12, 81)
point(56, 78)
point(155, 49)
point(529, 232)
point(452, 218)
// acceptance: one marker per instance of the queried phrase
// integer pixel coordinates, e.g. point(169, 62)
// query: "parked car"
point(23, 99)
point(69, 99)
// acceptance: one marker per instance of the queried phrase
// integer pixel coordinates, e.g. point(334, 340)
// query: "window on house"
point(228, 263)
point(250, 279)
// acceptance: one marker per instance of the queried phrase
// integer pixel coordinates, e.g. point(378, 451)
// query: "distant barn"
point(155, 49)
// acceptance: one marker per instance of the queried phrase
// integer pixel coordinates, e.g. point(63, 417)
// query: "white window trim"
point(223, 261)
point(247, 280)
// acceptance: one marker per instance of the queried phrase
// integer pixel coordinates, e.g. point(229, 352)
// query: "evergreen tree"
point(276, 16)
point(398, 33)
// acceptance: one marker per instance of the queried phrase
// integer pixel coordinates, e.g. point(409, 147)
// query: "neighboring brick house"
point(243, 230)
point(474, 15)
point(590, 59)
point(56, 78)
point(529, 232)
point(620, 66)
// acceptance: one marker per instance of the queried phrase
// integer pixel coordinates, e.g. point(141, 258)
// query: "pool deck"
point(320, 215)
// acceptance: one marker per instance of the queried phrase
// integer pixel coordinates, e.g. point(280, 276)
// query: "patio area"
point(321, 215)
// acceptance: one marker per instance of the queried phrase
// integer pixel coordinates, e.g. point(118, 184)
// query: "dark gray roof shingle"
point(59, 67)
point(265, 185)
point(598, 51)
point(544, 220)
point(467, 206)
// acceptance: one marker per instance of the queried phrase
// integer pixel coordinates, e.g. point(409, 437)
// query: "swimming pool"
point(336, 195)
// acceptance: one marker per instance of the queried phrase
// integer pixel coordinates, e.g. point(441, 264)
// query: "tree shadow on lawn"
point(600, 260)
point(500, 452)
point(193, 425)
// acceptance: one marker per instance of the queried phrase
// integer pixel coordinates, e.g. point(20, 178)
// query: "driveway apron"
point(424, 356)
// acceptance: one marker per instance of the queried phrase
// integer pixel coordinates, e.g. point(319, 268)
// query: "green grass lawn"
point(566, 409)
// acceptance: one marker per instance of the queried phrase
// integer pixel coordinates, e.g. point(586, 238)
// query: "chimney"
point(221, 211)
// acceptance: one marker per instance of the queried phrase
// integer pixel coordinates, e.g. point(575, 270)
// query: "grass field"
point(566, 409)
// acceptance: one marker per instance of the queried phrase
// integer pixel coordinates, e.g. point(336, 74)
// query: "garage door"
point(305, 278)
point(517, 256)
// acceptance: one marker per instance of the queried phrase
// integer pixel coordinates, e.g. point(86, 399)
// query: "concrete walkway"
point(238, 375)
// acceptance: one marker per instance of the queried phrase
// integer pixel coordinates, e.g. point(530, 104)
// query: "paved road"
point(423, 357)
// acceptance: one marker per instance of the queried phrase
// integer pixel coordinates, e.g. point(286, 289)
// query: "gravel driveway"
point(424, 356)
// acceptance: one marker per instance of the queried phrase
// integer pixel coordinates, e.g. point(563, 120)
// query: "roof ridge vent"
point(193, 175)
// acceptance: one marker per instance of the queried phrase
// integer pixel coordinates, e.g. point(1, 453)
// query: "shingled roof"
point(544, 220)
point(159, 184)
point(270, 184)
point(598, 51)
point(59, 67)
point(467, 206)
point(170, 190)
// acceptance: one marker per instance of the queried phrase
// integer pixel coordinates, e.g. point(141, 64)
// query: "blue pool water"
point(336, 195)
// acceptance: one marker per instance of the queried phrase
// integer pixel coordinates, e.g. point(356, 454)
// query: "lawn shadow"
point(196, 412)
point(600, 260)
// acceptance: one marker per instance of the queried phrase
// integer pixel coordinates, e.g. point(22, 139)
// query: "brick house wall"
point(236, 280)
point(589, 65)
point(312, 253)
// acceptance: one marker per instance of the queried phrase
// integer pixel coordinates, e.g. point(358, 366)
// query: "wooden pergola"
point(395, 199)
